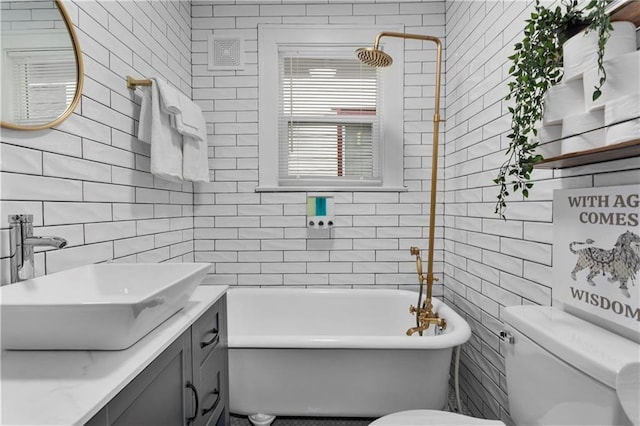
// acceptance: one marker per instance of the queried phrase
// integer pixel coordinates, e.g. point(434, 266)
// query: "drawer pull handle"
point(212, 340)
point(195, 413)
point(215, 392)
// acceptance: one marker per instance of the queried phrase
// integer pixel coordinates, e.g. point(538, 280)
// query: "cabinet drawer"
point(214, 385)
point(209, 332)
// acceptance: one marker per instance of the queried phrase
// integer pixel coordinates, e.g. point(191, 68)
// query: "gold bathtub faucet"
point(425, 314)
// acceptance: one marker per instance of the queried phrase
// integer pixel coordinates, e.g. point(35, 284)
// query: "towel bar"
point(132, 83)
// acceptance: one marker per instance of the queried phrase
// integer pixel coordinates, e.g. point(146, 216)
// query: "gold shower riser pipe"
point(434, 159)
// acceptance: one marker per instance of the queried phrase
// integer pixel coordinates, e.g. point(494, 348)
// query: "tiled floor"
point(306, 421)
point(325, 421)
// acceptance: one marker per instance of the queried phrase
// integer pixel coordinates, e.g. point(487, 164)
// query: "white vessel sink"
point(95, 307)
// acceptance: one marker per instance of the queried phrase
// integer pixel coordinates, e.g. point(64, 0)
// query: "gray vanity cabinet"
point(209, 359)
point(164, 393)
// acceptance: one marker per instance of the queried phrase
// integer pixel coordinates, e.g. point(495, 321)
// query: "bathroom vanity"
point(177, 374)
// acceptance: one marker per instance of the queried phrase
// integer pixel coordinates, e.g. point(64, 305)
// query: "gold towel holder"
point(132, 83)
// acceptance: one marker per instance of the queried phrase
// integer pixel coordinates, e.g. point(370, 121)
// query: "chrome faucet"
point(21, 244)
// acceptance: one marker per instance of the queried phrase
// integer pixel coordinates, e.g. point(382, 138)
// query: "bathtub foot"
point(261, 419)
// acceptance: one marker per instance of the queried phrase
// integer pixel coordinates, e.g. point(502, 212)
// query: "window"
point(39, 73)
point(326, 122)
point(327, 117)
point(45, 84)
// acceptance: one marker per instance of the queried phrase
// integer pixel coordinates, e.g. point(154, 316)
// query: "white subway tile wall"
point(261, 238)
point(491, 263)
point(88, 179)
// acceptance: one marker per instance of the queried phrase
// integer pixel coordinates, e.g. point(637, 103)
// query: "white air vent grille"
point(226, 52)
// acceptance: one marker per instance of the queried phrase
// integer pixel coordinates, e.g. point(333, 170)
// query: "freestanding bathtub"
point(342, 352)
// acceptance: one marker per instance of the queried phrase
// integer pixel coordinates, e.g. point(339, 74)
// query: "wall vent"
point(226, 52)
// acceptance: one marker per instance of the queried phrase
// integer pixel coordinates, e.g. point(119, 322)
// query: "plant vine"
point(536, 66)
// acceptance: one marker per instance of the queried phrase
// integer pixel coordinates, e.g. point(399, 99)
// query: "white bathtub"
point(343, 353)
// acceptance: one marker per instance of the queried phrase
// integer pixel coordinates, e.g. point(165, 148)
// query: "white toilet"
point(560, 370)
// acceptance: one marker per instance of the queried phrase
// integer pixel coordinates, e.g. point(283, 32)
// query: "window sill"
point(330, 189)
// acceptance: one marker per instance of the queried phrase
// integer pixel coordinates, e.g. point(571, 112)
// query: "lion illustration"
point(621, 262)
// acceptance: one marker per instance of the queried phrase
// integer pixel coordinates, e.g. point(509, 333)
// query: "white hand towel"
point(186, 122)
point(191, 121)
point(169, 97)
point(191, 124)
point(187, 115)
point(166, 142)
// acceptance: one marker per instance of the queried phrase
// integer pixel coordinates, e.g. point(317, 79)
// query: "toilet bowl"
point(560, 370)
point(432, 418)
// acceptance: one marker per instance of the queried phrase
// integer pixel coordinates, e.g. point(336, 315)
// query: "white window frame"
point(270, 38)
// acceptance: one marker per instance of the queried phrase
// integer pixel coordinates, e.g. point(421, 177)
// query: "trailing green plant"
point(600, 21)
point(536, 66)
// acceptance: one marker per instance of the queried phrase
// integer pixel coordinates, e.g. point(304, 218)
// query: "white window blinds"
point(329, 122)
point(44, 82)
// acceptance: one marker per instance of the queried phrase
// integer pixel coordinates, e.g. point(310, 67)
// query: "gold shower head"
point(374, 57)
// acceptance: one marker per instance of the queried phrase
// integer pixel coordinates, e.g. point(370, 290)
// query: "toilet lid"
point(431, 418)
point(628, 390)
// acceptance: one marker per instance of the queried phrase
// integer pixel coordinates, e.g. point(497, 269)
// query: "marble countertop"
point(70, 387)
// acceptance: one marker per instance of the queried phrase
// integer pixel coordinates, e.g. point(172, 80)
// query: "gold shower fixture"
point(375, 57)
point(424, 312)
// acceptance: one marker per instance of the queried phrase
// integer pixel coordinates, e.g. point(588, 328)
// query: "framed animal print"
point(596, 256)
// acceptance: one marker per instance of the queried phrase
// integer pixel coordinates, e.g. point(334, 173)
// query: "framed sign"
point(596, 255)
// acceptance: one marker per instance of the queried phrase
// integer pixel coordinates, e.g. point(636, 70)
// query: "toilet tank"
point(561, 370)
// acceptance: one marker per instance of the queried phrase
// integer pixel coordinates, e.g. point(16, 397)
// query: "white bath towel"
point(166, 142)
point(187, 119)
point(177, 126)
point(195, 166)
point(144, 126)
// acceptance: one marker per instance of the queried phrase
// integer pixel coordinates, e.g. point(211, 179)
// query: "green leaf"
point(596, 94)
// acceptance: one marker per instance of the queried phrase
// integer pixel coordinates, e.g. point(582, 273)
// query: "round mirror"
point(42, 69)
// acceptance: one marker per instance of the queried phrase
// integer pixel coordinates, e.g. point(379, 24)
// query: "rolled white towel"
point(583, 131)
point(622, 80)
point(549, 143)
point(580, 52)
point(562, 100)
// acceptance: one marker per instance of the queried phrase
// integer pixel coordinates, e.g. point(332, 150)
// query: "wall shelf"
point(596, 155)
point(620, 10)
point(628, 10)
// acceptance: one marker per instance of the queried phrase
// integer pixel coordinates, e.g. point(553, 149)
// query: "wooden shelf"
point(596, 155)
point(627, 11)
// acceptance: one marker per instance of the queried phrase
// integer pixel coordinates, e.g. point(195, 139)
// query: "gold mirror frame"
point(79, 81)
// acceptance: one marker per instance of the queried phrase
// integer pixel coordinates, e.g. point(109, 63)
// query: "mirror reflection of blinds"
point(43, 84)
point(328, 118)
